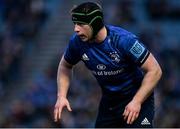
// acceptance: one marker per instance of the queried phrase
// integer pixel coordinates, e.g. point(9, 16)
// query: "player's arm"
point(63, 80)
point(152, 76)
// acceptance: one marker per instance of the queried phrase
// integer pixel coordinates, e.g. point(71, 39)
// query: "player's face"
point(83, 31)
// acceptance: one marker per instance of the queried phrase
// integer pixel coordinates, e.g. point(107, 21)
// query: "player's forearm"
point(149, 82)
point(63, 79)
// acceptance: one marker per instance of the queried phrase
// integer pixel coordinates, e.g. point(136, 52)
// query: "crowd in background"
point(20, 24)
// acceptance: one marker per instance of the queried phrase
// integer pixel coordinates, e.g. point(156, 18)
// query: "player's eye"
point(79, 24)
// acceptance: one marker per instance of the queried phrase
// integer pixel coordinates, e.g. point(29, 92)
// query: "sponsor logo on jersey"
point(107, 73)
point(101, 67)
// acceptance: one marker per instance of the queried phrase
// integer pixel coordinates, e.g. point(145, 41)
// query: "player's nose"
point(76, 28)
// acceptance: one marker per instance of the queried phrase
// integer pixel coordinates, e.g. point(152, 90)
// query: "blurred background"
point(33, 36)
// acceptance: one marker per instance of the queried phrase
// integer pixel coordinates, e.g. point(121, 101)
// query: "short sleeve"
point(72, 52)
point(135, 51)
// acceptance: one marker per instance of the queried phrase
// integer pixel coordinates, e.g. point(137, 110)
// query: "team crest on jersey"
point(114, 56)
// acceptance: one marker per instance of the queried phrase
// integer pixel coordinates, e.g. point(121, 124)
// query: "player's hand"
point(60, 104)
point(131, 111)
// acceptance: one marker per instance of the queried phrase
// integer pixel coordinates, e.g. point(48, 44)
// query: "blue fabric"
point(115, 62)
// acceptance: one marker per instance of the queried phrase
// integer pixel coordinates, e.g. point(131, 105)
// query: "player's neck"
point(101, 35)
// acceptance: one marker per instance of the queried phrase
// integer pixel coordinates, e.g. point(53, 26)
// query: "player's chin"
point(84, 39)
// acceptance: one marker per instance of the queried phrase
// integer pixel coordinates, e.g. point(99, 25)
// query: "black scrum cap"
point(89, 13)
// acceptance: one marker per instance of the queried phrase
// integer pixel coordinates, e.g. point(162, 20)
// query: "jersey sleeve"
point(72, 52)
point(135, 51)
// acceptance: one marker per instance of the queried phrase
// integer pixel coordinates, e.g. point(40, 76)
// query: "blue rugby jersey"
point(115, 62)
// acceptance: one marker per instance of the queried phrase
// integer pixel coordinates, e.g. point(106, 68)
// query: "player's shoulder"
point(120, 37)
point(120, 32)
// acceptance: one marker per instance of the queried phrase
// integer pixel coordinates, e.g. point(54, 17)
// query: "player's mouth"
point(82, 36)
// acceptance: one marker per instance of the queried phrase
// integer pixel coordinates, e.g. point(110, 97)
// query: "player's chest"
point(103, 58)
